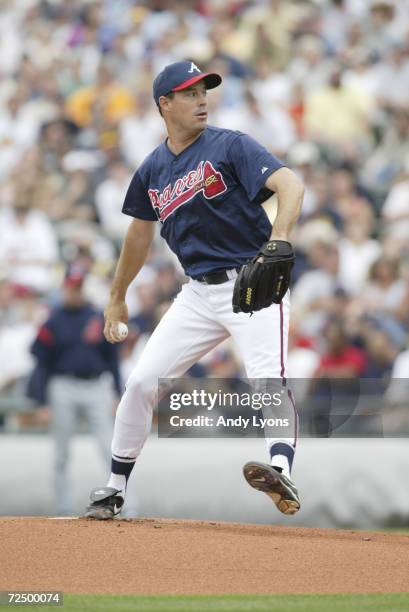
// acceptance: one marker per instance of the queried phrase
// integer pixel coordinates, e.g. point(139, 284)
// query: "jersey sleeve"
point(252, 164)
point(137, 203)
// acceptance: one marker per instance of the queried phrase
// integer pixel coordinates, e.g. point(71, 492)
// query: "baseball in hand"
point(122, 330)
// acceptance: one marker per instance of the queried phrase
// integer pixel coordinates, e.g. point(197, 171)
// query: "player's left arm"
point(290, 192)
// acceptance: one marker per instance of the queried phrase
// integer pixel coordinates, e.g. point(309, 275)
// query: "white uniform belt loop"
point(231, 274)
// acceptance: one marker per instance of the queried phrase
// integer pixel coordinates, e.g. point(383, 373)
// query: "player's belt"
point(219, 277)
point(82, 375)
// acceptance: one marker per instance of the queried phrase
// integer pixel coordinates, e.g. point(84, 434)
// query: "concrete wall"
point(360, 483)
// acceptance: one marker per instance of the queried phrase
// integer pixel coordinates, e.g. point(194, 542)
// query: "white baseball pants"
point(200, 318)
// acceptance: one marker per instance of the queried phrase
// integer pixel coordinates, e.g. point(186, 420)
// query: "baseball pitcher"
point(205, 186)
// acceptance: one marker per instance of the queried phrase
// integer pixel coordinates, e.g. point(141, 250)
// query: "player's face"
point(188, 107)
point(73, 297)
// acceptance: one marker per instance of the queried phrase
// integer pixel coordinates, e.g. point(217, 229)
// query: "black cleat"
point(278, 487)
point(105, 504)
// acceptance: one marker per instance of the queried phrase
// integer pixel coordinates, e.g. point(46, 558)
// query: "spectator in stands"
point(108, 197)
point(22, 313)
point(357, 252)
point(335, 388)
point(340, 359)
point(310, 66)
point(168, 283)
point(143, 127)
point(385, 288)
point(395, 214)
point(28, 244)
point(313, 295)
point(383, 26)
point(380, 351)
point(388, 159)
point(105, 101)
point(273, 128)
point(337, 114)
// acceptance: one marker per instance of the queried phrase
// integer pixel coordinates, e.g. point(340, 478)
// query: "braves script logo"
point(205, 178)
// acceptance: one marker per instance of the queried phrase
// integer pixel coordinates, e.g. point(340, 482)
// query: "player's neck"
point(178, 141)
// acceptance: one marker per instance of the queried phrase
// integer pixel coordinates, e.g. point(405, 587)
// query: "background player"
point(205, 185)
point(76, 371)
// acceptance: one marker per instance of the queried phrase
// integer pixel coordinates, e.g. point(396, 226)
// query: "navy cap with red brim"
point(181, 75)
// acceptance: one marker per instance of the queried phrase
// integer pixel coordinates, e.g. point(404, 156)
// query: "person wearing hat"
point(205, 186)
point(77, 369)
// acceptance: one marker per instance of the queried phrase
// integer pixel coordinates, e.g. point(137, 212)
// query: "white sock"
point(118, 481)
point(281, 461)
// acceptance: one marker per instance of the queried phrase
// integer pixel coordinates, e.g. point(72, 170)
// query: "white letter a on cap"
point(193, 67)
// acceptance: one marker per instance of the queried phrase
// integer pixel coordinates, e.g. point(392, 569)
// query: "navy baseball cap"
point(181, 75)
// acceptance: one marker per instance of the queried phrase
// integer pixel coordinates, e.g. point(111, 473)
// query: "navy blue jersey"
point(207, 198)
point(72, 342)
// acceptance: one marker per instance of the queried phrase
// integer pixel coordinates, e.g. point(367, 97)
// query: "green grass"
point(390, 602)
point(396, 530)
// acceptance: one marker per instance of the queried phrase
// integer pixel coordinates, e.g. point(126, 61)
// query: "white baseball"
point(122, 330)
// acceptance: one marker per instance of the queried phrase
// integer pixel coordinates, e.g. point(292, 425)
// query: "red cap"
point(74, 276)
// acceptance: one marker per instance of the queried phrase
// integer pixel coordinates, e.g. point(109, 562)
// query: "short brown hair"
point(170, 95)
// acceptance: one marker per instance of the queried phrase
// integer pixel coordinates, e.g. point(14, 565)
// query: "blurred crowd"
point(322, 84)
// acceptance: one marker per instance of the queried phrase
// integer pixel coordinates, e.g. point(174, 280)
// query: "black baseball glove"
point(262, 283)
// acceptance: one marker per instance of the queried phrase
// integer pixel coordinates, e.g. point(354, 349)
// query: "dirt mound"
point(150, 556)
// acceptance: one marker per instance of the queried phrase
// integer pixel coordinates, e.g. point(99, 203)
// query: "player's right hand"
point(114, 313)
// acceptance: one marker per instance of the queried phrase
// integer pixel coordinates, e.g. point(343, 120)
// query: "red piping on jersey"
point(282, 340)
point(290, 395)
point(45, 336)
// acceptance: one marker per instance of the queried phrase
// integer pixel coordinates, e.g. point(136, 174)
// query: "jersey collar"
point(188, 148)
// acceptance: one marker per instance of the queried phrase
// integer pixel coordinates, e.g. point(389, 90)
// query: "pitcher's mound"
point(151, 556)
